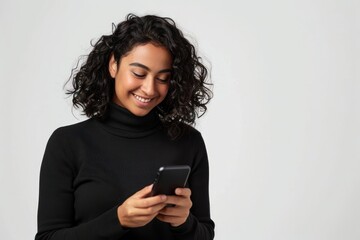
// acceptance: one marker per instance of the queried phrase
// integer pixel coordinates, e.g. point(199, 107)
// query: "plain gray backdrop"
point(282, 131)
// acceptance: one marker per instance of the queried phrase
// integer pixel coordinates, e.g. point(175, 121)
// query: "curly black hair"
point(189, 92)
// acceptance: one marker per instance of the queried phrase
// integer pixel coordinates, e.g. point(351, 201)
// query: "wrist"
point(120, 216)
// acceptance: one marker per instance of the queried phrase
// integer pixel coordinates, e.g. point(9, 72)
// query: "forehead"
point(153, 56)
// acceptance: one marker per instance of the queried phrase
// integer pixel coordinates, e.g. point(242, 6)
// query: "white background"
point(282, 131)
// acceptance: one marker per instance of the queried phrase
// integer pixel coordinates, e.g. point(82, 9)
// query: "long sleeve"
point(199, 225)
point(56, 214)
point(92, 167)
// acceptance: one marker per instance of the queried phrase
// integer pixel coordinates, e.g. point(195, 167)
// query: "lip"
point(140, 103)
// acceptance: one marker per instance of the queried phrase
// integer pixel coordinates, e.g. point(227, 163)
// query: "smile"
point(141, 99)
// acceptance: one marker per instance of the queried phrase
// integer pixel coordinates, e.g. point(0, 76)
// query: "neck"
point(122, 122)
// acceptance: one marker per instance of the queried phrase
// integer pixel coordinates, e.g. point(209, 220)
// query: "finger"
point(149, 202)
point(168, 219)
point(154, 210)
point(175, 200)
point(138, 220)
point(179, 201)
point(172, 211)
point(185, 192)
point(143, 192)
point(143, 218)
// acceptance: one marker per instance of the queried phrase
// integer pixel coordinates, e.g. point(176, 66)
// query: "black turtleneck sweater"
point(92, 167)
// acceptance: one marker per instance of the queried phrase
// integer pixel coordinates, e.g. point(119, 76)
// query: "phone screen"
point(169, 178)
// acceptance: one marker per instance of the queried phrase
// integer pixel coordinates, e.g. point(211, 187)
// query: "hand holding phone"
point(136, 212)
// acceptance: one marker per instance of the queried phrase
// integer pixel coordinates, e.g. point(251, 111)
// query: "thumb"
point(143, 192)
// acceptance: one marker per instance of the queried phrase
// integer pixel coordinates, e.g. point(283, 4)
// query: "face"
point(141, 78)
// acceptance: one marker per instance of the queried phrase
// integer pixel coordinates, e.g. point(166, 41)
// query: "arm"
point(56, 214)
point(197, 223)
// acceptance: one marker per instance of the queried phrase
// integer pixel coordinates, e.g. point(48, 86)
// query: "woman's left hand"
point(176, 215)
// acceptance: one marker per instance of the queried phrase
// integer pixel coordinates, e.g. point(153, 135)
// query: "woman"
point(142, 88)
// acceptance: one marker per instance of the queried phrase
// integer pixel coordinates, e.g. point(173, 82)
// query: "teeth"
point(144, 100)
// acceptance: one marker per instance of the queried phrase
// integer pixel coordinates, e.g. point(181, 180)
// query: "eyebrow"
point(136, 64)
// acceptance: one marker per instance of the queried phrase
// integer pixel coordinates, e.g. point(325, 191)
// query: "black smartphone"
point(169, 178)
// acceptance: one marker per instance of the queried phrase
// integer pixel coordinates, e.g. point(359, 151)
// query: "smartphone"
point(169, 178)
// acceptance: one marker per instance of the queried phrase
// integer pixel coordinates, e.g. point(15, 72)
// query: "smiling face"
point(141, 78)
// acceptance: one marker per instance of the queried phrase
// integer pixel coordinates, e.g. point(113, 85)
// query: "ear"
point(113, 66)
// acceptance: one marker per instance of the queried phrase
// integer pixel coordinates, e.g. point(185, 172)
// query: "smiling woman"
point(142, 78)
point(188, 93)
point(142, 88)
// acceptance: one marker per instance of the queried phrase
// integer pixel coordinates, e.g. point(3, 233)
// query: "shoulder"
point(192, 133)
point(73, 129)
point(64, 140)
point(192, 136)
point(69, 135)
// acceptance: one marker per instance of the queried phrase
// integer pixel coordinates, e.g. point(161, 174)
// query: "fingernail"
point(163, 197)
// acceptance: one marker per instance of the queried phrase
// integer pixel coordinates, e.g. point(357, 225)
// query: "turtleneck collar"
point(122, 122)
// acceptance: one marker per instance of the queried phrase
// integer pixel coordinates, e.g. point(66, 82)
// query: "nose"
point(148, 86)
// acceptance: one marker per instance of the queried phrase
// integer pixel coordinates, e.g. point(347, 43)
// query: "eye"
point(139, 75)
point(163, 80)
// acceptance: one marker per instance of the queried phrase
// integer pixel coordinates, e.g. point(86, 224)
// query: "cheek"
point(118, 88)
point(125, 83)
point(165, 91)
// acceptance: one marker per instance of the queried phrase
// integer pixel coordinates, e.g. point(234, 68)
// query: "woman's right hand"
point(138, 210)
